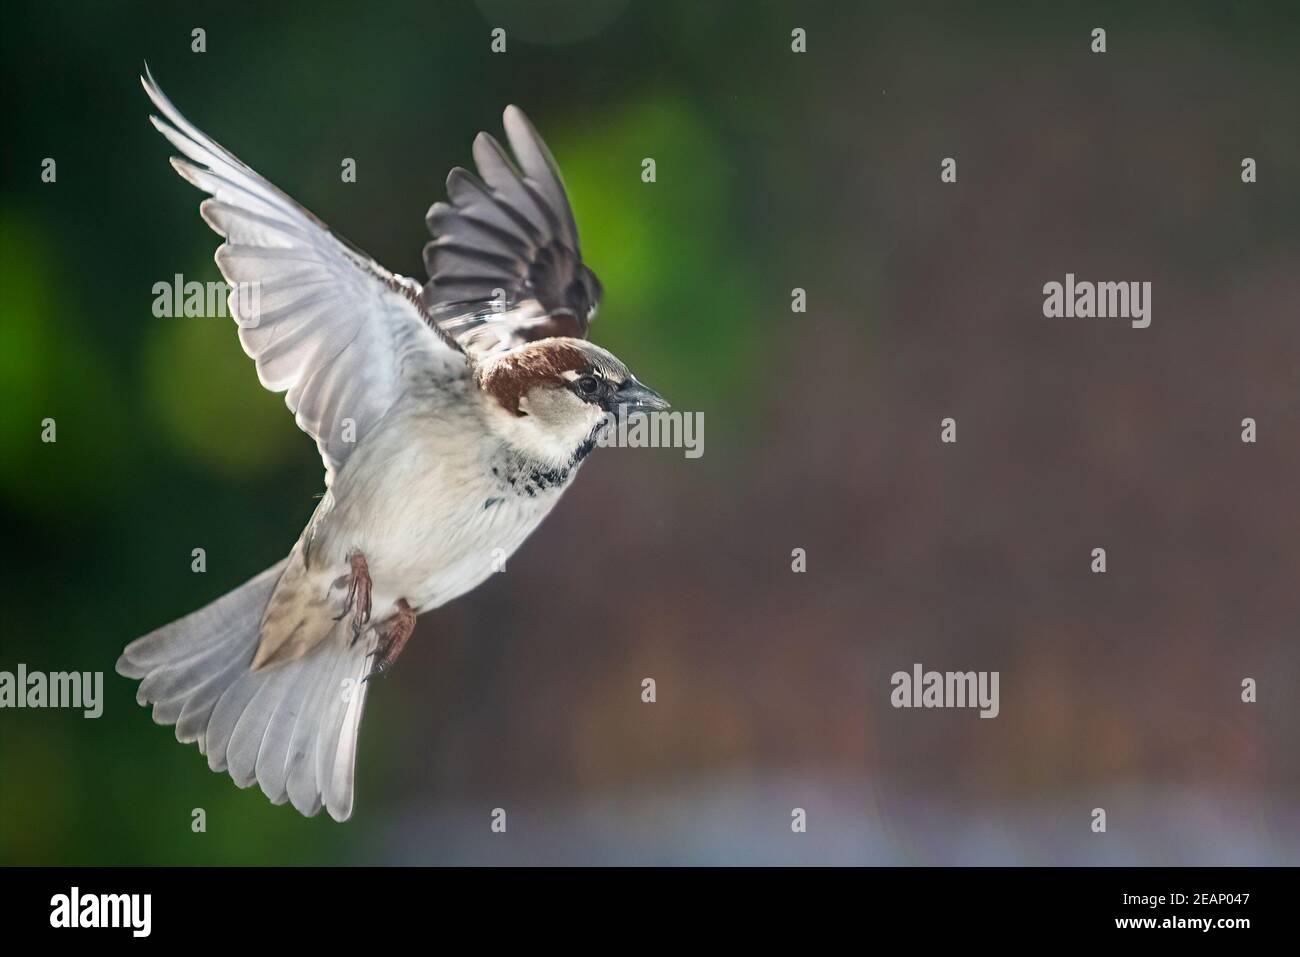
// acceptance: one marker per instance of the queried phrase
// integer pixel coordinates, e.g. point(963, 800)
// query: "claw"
point(358, 598)
point(393, 635)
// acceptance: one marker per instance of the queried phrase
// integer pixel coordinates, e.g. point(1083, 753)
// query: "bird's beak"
point(632, 397)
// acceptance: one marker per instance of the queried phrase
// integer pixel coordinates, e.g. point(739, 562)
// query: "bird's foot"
point(358, 597)
point(393, 635)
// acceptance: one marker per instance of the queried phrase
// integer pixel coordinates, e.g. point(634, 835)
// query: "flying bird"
point(450, 415)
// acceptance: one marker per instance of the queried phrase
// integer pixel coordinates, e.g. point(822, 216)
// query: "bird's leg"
point(393, 635)
point(358, 598)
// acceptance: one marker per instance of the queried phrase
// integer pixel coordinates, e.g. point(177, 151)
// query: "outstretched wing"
point(324, 323)
point(504, 265)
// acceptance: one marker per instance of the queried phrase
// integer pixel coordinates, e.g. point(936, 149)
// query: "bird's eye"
point(588, 385)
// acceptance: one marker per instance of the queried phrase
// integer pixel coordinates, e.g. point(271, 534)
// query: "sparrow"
point(450, 416)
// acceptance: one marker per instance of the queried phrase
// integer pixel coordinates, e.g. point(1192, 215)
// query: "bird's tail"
point(290, 727)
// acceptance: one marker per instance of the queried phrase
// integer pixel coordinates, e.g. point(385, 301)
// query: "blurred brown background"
point(775, 170)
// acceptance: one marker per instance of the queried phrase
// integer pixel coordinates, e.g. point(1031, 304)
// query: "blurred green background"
point(775, 170)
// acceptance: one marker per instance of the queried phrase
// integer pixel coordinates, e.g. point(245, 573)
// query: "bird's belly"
point(430, 536)
point(441, 557)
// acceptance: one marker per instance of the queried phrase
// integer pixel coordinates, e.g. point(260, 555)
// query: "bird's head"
point(552, 398)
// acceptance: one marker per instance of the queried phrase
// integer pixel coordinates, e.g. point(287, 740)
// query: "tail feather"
point(291, 728)
point(272, 765)
point(249, 733)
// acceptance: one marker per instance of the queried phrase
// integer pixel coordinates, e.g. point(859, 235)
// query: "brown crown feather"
point(510, 377)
